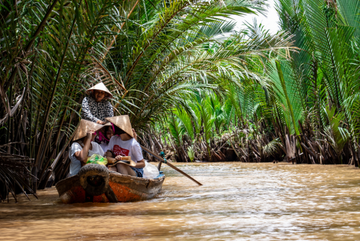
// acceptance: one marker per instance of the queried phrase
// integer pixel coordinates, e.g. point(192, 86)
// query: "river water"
point(238, 201)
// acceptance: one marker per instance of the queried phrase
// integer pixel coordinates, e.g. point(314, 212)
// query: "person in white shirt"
point(84, 145)
point(124, 145)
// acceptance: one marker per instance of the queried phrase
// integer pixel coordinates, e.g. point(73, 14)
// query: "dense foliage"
point(149, 53)
point(313, 92)
point(192, 85)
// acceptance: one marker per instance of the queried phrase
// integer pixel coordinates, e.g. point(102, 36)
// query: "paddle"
point(169, 164)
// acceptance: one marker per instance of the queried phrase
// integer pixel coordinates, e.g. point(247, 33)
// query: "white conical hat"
point(84, 127)
point(100, 86)
point(123, 122)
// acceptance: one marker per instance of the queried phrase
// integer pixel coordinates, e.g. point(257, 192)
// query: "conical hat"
point(123, 122)
point(100, 86)
point(84, 127)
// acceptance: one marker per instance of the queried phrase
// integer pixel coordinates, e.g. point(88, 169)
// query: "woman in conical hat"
point(96, 106)
point(83, 145)
point(123, 145)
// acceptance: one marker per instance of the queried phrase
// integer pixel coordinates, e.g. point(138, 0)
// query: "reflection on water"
point(238, 201)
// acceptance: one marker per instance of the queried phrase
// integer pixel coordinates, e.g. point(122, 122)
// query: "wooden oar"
point(169, 164)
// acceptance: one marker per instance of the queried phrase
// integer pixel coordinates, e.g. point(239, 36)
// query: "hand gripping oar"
point(169, 164)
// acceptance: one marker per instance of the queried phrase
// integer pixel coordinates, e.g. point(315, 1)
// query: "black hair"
point(81, 140)
point(118, 131)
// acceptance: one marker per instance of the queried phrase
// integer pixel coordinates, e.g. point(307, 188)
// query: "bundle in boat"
point(95, 183)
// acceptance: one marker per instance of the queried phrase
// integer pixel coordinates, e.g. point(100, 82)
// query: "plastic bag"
point(97, 159)
point(150, 171)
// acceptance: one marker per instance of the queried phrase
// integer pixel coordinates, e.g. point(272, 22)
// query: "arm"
point(140, 164)
point(86, 113)
point(110, 157)
point(83, 154)
point(134, 133)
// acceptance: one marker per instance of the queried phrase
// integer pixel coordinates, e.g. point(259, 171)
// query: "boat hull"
point(120, 188)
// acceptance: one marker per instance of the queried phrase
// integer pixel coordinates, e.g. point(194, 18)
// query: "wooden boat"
point(95, 183)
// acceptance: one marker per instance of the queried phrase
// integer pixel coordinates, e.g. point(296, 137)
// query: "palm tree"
point(325, 76)
point(149, 53)
point(162, 54)
point(45, 52)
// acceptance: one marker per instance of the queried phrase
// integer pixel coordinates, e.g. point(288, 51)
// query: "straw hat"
point(84, 127)
point(123, 122)
point(102, 87)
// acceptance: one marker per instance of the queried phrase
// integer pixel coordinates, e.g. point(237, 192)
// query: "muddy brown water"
point(238, 201)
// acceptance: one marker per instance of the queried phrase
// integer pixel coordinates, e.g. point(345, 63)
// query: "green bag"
point(97, 159)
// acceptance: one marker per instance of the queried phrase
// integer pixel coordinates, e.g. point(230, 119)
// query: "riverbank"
point(248, 201)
